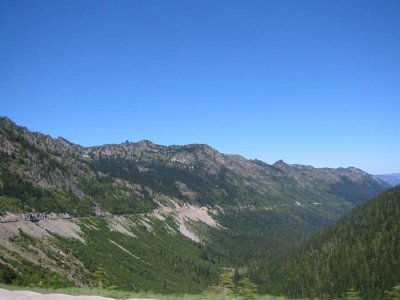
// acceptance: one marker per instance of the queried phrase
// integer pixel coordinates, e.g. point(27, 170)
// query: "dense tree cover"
point(264, 210)
point(64, 170)
point(227, 285)
point(154, 260)
point(19, 195)
point(31, 275)
point(115, 199)
point(251, 235)
point(356, 193)
point(19, 271)
point(210, 190)
point(360, 252)
point(38, 173)
point(229, 188)
point(162, 261)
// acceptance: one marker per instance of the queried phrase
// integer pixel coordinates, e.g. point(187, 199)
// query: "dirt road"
point(27, 295)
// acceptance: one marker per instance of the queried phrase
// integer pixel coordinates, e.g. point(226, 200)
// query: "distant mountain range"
point(172, 217)
point(392, 179)
point(138, 174)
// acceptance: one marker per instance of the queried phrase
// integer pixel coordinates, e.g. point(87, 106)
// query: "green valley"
point(164, 219)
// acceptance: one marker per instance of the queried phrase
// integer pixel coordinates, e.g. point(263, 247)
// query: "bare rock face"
point(55, 195)
point(80, 180)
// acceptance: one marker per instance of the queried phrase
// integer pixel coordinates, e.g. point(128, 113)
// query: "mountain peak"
point(145, 142)
point(280, 164)
point(5, 121)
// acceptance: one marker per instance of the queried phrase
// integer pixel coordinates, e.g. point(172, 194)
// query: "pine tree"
point(101, 278)
point(247, 289)
point(226, 284)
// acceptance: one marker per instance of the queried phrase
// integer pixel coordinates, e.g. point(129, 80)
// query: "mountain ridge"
point(5, 121)
point(216, 210)
point(141, 159)
point(393, 179)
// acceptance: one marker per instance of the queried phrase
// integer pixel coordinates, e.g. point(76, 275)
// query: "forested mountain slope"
point(361, 251)
point(42, 174)
point(216, 210)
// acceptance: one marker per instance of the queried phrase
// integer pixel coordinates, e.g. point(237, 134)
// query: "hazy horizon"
point(310, 83)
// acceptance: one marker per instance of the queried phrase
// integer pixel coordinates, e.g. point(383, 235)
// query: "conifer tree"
point(101, 278)
point(247, 289)
point(226, 284)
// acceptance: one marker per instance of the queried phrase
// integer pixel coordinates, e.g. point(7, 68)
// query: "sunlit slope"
point(223, 210)
point(42, 174)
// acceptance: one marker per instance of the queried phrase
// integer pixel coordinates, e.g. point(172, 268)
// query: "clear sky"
point(310, 82)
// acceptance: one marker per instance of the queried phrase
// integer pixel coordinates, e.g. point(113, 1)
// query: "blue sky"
point(310, 82)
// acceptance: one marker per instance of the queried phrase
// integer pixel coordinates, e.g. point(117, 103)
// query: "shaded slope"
point(362, 251)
